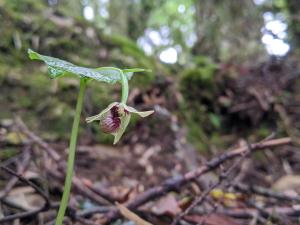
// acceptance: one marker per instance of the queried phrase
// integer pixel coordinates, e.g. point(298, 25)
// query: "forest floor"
point(221, 149)
point(156, 173)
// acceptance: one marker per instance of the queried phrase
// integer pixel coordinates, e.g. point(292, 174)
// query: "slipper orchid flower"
point(115, 118)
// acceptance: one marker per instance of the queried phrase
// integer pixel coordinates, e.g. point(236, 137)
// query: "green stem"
point(71, 157)
point(125, 88)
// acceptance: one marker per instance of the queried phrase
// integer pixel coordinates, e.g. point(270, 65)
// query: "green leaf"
point(58, 68)
point(215, 120)
point(115, 72)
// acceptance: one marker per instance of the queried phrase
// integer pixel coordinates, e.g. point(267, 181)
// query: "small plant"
point(113, 120)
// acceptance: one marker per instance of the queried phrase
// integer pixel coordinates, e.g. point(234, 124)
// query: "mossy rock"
point(198, 83)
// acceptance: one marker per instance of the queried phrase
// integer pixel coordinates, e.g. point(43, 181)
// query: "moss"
point(198, 84)
point(45, 105)
point(8, 152)
point(200, 91)
point(25, 6)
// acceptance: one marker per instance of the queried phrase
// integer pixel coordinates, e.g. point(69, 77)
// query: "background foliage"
point(201, 48)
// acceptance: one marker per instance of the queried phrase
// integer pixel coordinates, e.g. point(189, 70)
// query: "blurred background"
point(218, 67)
point(222, 72)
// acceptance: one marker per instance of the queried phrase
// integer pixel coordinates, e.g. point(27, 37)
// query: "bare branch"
point(177, 182)
point(45, 207)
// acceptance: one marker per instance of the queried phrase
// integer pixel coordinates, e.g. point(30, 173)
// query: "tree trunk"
point(294, 23)
point(225, 27)
point(118, 17)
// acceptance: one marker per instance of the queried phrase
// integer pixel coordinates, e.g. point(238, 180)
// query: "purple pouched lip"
point(111, 122)
point(115, 111)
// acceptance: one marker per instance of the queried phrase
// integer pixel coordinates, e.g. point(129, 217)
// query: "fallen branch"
point(36, 139)
point(247, 213)
point(266, 192)
point(176, 183)
point(78, 186)
point(203, 196)
point(43, 208)
point(172, 184)
point(22, 166)
point(99, 196)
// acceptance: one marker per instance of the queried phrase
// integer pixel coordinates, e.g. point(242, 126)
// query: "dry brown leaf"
point(288, 182)
point(25, 198)
point(131, 215)
point(167, 206)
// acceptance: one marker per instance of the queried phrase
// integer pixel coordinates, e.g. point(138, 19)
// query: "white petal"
point(142, 114)
point(145, 113)
point(101, 114)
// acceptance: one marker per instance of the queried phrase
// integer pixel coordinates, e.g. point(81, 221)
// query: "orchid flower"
point(115, 118)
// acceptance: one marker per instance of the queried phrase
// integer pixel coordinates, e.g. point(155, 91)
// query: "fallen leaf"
point(227, 198)
point(166, 206)
point(288, 182)
point(131, 215)
point(15, 138)
point(25, 198)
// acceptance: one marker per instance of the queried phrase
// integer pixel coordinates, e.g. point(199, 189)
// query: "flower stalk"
point(71, 157)
point(112, 120)
point(125, 88)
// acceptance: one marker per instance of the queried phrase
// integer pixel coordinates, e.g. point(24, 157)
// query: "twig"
point(45, 207)
point(262, 212)
point(82, 189)
point(36, 139)
point(21, 168)
point(22, 215)
point(103, 193)
point(28, 182)
point(254, 189)
point(85, 221)
point(85, 190)
point(177, 182)
point(247, 213)
point(89, 212)
point(78, 186)
point(202, 197)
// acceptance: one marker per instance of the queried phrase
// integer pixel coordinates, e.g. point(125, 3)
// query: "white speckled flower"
point(115, 118)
